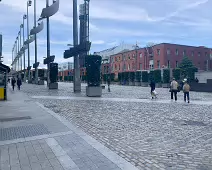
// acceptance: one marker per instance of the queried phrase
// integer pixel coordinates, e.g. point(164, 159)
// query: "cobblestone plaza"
point(149, 134)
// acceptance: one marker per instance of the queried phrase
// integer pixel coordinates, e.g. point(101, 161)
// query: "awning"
point(4, 68)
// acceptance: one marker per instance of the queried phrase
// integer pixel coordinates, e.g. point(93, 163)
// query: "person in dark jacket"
point(108, 83)
point(13, 82)
point(152, 86)
point(19, 83)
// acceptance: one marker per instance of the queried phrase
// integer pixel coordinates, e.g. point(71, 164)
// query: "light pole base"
point(41, 82)
point(77, 86)
point(53, 85)
point(94, 91)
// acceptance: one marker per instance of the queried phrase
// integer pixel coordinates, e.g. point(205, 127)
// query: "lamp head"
point(25, 16)
point(21, 25)
point(29, 3)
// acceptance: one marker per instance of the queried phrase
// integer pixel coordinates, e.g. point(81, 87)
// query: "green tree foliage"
point(187, 69)
point(176, 73)
point(138, 76)
point(166, 76)
point(144, 76)
point(126, 76)
point(112, 76)
point(120, 77)
point(132, 76)
point(157, 76)
point(151, 75)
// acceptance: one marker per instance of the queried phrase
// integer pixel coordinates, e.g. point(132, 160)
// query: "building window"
point(168, 64)
point(184, 53)
point(192, 53)
point(141, 55)
point(115, 67)
point(176, 52)
point(133, 55)
point(140, 66)
point(206, 54)
point(158, 64)
point(134, 66)
point(124, 67)
point(128, 66)
point(168, 51)
point(176, 64)
point(124, 57)
point(199, 54)
point(129, 57)
point(158, 51)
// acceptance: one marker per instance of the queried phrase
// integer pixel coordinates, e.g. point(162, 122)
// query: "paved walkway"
point(129, 100)
point(33, 137)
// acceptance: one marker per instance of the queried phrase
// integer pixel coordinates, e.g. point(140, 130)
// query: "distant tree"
point(144, 76)
point(187, 69)
point(157, 76)
point(176, 73)
point(166, 76)
point(138, 76)
point(132, 76)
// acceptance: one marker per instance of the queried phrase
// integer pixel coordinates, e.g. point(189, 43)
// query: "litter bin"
point(4, 70)
point(3, 95)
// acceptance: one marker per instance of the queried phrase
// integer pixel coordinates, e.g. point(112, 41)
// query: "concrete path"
point(33, 137)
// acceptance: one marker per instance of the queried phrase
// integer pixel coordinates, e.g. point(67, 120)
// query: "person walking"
point(19, 83)
point(186, 89)
point(174, 89)
point(13, 82)
point(152, 86)
point(108, 83)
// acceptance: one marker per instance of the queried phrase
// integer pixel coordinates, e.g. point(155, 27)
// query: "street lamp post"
point(35, 24)
point(17, 39)
point(48, 44)
point(20, 45)
point(24, 17)
point(77, 83)
point(15, 54)
point(29, 3)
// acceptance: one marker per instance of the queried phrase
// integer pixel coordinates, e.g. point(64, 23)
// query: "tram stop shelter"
point(4, 70)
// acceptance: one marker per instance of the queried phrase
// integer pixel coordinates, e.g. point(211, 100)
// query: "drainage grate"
point(14, 118)
point(22, 132)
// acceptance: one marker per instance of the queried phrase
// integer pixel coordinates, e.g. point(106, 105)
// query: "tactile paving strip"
point(22, 132)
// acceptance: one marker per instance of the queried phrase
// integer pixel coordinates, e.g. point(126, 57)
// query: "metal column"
point(35, 24)
point(48, 44)
point(24, 50)
point(28, 44)
point(77, 82)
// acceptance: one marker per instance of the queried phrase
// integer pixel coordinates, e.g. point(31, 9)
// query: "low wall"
point(202, 87)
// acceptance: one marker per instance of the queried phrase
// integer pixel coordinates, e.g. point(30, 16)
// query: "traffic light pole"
point(77, 82)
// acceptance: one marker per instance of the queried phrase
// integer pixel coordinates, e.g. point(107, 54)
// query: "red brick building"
point(160, 56)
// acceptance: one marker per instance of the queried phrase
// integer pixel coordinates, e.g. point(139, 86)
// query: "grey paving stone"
point(33, 159)
point(144, 129)
point(26, 168)
point(15, 168)
point(36, 166)
point(50, 155)
point(54, 162)
point(44, 163)
point(59, 167)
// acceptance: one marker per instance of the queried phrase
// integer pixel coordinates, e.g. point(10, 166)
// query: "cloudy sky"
point(113, 22)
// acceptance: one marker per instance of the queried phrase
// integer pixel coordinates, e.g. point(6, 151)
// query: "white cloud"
point(98, 42)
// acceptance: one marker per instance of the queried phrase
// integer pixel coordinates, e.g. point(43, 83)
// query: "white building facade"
point(65, 66)
point(105, 54)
